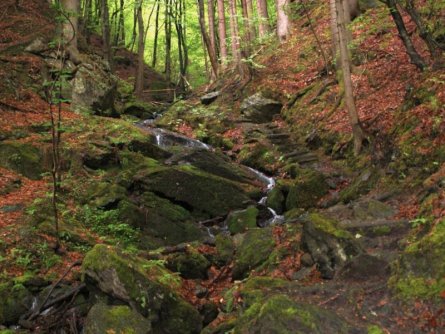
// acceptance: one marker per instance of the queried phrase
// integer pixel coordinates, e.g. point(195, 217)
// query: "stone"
point(209, 97)
point(241, 220)
point(276, 200)
point(94, 90)
point(363, 267)
point(115, 319)
point(146, 286)
point(16, 300)
point(259, 109)
point(307, 260)
point(190, 265)
point(22, 158)
point(37, 46)
point(329, 245)
point(224, 249)
point(254, 250)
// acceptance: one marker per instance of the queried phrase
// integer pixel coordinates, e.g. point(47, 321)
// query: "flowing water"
point(164, 138)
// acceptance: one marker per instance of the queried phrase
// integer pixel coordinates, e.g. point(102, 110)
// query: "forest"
point(222, 166)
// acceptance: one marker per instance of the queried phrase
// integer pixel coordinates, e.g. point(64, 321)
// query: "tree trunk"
point(121, 25)
point(263, 15)
point(155, 43)
point(283, 25)
point(139, 79)
point(168, 40)
point(236, 48)
point(211, 16)
point(70, 27)
point(247, 38)
point(425, 34)
point(415, 58)
point(334, 28)
point(250, 15)
point(222, 33)
point(87, 13)
point(106, 33)
point(205, 36)
point(345, 62)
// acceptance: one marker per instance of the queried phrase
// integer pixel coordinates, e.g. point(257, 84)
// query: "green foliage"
point(107, 224)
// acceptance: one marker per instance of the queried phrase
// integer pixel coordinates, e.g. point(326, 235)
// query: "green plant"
point(418, 222)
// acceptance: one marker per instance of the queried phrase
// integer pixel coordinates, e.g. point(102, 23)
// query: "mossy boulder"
point(224, 249)
point(308, 187)
point(23, 158)
point(146, 286)
point(253, 251)
point(276, 200)
point(16, 300)
point(372, 209)
point(241, 220)
point(280, 314)
point(360, 186)
point(99, 155)
point(420, 271)
point(140, 109)
point(196, 190)
point(329, 245)
point(259, 109)
point(105, 195)
point(259, 156)
point(190, 264)
point(115, 319)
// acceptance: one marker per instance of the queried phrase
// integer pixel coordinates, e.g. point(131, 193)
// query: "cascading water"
point(164, 138)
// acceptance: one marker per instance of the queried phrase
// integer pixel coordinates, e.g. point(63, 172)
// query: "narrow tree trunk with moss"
point(206, 39)
point(235, 39)
point(283, 23)
point(71, 9)
point(155, 42)
point(106, 47)
point(345, 63)
point(168, 40)
point(211, 17)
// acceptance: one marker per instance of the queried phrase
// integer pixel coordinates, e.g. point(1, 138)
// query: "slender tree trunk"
point(263, 15)
point(236, 48)
point(354, 120)
point(87, 13)
point(250, 14)
point(139, 80)
point(247, 38)
point(334, 28)
point(211, 16)
point(155, 43)
point(283, 25)
point(121, 25)
point(222, 33)
point(205, 36)
point(425, 34)
point(168, 40)
point(70, 27)
point(106, 33)
point(415, 58)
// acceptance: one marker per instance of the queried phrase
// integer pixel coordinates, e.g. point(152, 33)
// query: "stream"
point(165, 139)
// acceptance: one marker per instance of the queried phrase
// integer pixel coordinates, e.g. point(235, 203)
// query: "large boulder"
point(146, 286)
point(254, 250)
point(329, 245)
point(103, 318)
point(194, 189)
point(16, 300)
point(94, 89)
point(240, 220)
point(259, 109)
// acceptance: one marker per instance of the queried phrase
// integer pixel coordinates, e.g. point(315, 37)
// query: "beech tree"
point(345, 64)
point(283, 24)
point(70, 27)
point(206, 39)
point(263, 16)
point(106, 40)
point(222, 33)
point(139, 78)
point(235, 39)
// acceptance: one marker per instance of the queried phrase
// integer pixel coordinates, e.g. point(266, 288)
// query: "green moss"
point(361, 185)
point(240, 221)
point(224, 249)
point(253, 251)
point(329, 226)
point(381, 230)
point(190, 265)
point(145, 284)
point(115, 319)
point(307, 189)
point(418, 287)
point(374, 329)
point(23, 158)
point(276, 200)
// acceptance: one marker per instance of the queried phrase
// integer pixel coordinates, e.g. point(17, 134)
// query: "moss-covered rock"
point(361, 185)
point(15, 301)
point(199, 191)
point(140, 109)
point(241, 220)
point(329, 245)
point(115, 319)
point(276, 200)
point(280, 314)
point(420, 271)
point(23, 158)
point(224, 249)
point(308, 188)
point(145, 285)
point(190, 264)
point(259, 156)
point(253, 251)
